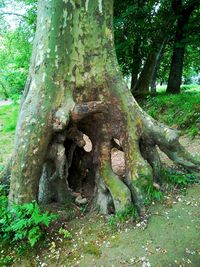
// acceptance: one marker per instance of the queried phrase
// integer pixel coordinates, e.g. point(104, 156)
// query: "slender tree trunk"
point(145, 78)
point(176, 68)
point(136, 64)
point(154, 76)
point(76, 87)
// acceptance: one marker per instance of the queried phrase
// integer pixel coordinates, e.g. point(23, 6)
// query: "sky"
point(13, 20)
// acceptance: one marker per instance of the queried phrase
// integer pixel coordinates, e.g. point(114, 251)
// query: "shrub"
point(23, 223)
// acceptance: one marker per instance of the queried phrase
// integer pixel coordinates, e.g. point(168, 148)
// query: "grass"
point(180, 111)
point(8, 119)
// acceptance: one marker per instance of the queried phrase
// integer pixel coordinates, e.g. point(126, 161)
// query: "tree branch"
point(13, 14)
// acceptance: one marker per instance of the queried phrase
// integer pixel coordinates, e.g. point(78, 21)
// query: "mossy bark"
point(75, 87)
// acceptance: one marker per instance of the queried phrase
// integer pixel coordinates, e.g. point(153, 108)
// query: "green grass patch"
point(120, 217)
point(8, 120)
point(181, 111)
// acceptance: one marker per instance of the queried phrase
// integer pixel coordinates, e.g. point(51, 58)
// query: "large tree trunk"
point(75, 87)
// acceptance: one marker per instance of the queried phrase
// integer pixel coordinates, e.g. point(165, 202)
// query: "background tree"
point(183, 11)
point(16, 45)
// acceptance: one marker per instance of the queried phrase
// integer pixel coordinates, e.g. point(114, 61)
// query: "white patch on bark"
point(56, 63)
point(43, 77)
point(33, 121)
point(100, 6)
point(86, 4)
point(48, 22)
point(33, 86)
point(35, 151)
point(72, 3)
point(40, 57)
point(65, 18)
point(56, 48)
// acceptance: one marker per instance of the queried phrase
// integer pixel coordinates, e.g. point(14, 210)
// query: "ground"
point(171, 237)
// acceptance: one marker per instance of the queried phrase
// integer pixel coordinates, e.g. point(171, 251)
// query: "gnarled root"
point(120, 193)
point(167, 140)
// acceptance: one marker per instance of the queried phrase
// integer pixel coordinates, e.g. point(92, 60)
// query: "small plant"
point(178, 178)
point(5, 261)
point(122, 216)
point(65, 233)
point(151, 193)
point(23, 223)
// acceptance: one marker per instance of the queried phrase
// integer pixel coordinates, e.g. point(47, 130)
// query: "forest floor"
point(170, 236)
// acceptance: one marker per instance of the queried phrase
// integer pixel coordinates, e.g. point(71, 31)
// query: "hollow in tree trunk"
point(75, 88)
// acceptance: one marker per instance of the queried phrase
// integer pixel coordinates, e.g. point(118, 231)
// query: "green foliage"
point(15, 54)
point(16, 45)
point(66, 234)
point(178, 178)
point(8, 117)
point(122, 216)
point(5, 261)
point(181, 110)
point(150, 192)
point(23, 223)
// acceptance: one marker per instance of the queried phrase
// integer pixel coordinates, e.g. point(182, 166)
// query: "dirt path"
point(5, 102)
point(172, 238)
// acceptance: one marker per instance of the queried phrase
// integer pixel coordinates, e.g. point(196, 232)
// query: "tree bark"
point(176, 68)
point(136, 64)
point(180, 42)
point(75, 87)
point(143, 83)
point(156, 69)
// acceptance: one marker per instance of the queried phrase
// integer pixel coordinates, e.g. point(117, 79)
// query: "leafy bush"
point(23, 223)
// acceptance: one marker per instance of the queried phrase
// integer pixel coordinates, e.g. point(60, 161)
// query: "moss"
point(92, 249)
point(119, 191)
